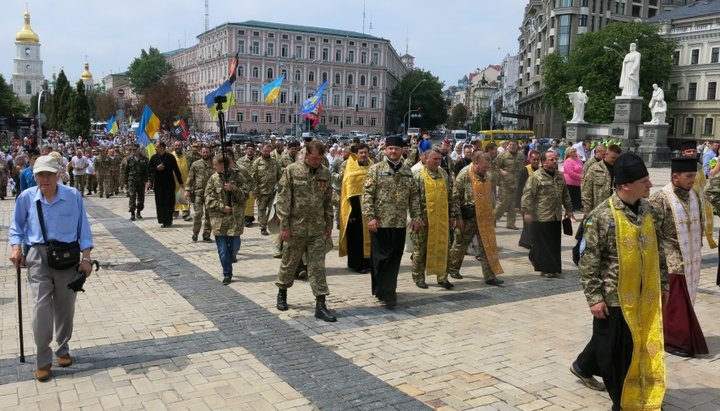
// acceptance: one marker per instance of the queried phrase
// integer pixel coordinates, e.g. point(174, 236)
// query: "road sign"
point(121, 93)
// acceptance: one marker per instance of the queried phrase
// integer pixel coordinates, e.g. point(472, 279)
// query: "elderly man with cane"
point(53, 258)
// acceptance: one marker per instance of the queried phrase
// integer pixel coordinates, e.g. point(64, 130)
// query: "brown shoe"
point(43, 374)
point(589, 382)
point(64, 360)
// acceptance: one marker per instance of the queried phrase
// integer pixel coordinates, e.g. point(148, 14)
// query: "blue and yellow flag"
point(310, 104)
point(225, 89)
point(149, 125)
point(272, 89)
point(111, 127)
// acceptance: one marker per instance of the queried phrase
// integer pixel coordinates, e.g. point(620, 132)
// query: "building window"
point(361, 101)
point(254, 117)
point(336, 120)
point(361, 121)
point(708, 126)
point(351, 56)
point(565, 3)
point(337, 78)
point(240, 116)
point(582, 20)
point(324, 76)
point(695, 56)
point(28, 87)
point(255, 72)
point(271, 49)
point(336, 100)
point(712, 88)
point(283, 73)
point(692, 91)
point(338, 54)
point(241, 46)
point(298, 75)
point(255, 48)
point(374, 81)
point(311, 76)
point(283, 97)
point(298, 38)
point(283, 117)
point(584, 3)
point(284, 50)
point(375, 59)
point(298, 51)
point(563, 40)
point(311, 53)
point(350, 79)
point(268, 117)
point(715, 54)
point(325, 53)
point(255, 96)
point(362, 80)
point(373, 102)
point(676, 58)
point(348, 120)
point(241, 71)
point(363, 57)
point(373, 121)
point(349, 101)
point(689, 125)
point(256, 34)
point(270, 73)
point(240, 95)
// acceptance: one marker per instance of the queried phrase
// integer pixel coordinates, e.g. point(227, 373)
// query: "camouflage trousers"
point(100, 183)
point(91, 183)
point(199, 207)
point(336, 206)
point(137, 196)
point(463, 238)
point(80, 182)
point(264, 202)
point(111, 184)
point(419, 255)
point(506, 203)
point(292, 253)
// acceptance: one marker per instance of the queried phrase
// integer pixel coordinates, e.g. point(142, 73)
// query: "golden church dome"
point(27, 35)
point(86, 75)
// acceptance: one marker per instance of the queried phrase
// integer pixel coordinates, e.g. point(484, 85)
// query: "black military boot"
point(137, 214)
point(282, 299)
point(132, 216)
point(321, 310)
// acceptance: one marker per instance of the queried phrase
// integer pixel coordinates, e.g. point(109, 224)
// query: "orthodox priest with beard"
point(354, 233)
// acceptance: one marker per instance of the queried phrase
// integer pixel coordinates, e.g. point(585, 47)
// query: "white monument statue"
point(578, 99)
point(630, 74)
point(657, 105)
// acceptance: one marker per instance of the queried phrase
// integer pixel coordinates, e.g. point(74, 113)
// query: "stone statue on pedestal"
point(630, 74)
point(657, 105)
point(578, 99)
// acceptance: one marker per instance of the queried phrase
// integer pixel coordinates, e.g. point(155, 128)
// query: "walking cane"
point(20, 323)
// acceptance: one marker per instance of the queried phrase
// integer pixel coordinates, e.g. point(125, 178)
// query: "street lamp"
point(40, 115)
point(407, 125)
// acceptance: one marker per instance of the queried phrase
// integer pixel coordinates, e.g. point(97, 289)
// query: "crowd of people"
point(441, 202)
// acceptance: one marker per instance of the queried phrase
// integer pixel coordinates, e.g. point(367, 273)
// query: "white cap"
point(45, 163)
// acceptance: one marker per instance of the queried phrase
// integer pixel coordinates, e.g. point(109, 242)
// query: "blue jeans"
point(228, 247)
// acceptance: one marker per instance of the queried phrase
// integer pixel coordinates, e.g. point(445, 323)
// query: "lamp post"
point(407, 125)
point(40, 116)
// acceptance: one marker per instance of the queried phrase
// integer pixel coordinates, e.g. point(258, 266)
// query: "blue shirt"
point(27, 179)
point(65, 218)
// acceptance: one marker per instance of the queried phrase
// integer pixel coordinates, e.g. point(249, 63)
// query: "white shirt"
point(80, 165)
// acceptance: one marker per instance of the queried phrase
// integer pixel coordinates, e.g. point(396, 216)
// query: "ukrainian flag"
point(111, 127)
point(224, 90)
point(272, 89)
point(310, 104)
point(149, 125)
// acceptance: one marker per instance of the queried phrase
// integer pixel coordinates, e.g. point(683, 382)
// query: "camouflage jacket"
point(246, 163)
point(100, 164)
point(112, 165)
point(264, 174)
point(586, 166)
point(599, 266)
point(134, 170)
point(545, 195)
point(596, 186)
point(198, 175)
point(304, 200)
point(389, 195)
point(712, 191)
point(463, 190)
point(666, 222)
point(286, 160)
point(231, 224)
point(193, 157)
point(511, 164)
point(453, 210)
point(336, 170)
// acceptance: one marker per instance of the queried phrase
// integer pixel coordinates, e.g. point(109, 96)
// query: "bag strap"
point(42, 219)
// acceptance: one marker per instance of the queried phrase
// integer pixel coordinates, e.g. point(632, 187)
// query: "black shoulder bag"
point(60, 256)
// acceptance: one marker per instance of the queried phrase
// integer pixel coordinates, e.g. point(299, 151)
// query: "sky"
point(449, 38)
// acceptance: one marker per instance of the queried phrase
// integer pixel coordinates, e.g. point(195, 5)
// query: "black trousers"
point(608, 354)
point(545, 251)
point(386, 250)
point(164, 202)
point(356, 258)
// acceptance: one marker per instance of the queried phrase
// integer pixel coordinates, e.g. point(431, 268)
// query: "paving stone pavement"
point(155, 329)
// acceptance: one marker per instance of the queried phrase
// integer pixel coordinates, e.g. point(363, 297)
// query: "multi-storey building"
point(696, 72)
point(27, 77)
point(505, 96)
point(554, 25)
point(360, 70)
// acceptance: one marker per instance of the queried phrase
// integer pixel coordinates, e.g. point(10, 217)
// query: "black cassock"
point(164, 186)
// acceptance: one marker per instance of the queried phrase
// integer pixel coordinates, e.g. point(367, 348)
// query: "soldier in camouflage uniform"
point(225, 196)
point(610, 350)
point(264, 174)
point(433, 159)
point(336, 170)
point(101, 171)
point(246, 162)
point(194, 154)
point(712, 193)
point(135, 173)
point(198, 175)
point(289, 156)
point(509, 165)
point(389, 194)
point(112, 173)
point(544, 196)
point(305, 210)
point(599, 155)
point(597, 183)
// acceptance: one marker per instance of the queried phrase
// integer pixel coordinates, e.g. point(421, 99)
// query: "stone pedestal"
point(652, 145)
point(628, 114)
point(576, 131)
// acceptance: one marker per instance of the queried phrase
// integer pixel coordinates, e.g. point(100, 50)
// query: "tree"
point(146, 70)
point(61, 102)
point(427, 100)
point(168, 97)
point(9, 102)
point(481, 121)
point(595, 63)
point(105, 105)
point(458, 117)
point(78, 119)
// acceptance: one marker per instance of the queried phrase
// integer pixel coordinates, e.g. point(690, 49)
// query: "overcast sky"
point(450, 38)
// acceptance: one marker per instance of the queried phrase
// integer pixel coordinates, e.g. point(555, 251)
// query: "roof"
point(304, 29)
point(171, 53)
point(698, 9)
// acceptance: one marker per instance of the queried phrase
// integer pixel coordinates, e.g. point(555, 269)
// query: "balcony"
point(694, 29)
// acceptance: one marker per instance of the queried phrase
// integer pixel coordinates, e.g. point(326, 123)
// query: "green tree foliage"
point(9, 102)
point(427, 98)
point(105, 106)
point(78, 119)
point(481, 121)
point(458, 116)
point(596, 62)
point(146, 70)
point(61, 102)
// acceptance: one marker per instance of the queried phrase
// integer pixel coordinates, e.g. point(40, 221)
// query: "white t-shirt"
point(80, 165)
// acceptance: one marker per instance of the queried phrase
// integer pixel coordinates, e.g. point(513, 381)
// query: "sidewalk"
point(156, 330)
